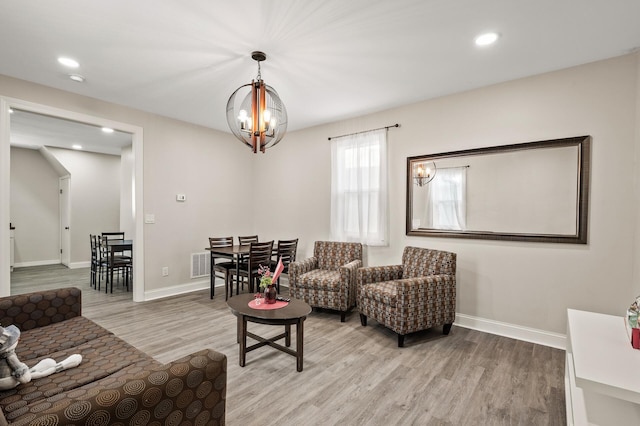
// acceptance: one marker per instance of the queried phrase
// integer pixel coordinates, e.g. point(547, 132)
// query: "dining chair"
point(93, 244)
point(221, 269)
point(122, 265)
point(245, 241)
point(259, 255)
point(115, 236)
point(286, 251)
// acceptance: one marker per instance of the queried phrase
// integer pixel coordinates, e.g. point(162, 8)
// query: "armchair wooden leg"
point(363, 320)
point(343, 316)
point(400, 340)
point(446, 329)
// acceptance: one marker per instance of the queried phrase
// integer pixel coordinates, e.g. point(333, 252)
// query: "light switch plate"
point(149, 218)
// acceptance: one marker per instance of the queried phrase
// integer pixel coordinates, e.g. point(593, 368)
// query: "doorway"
point(6, 104)
point(65, 236)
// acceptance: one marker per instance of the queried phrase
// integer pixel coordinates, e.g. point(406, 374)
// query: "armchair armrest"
point(348, 271)
point(300, 267)
point(192, 388)
point(376, 274)
point(419, 292)
point(38, 309)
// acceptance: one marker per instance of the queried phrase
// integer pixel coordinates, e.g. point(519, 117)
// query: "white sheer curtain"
point(359, 188)
point(447, 200)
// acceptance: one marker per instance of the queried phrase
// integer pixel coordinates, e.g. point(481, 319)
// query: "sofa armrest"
point(300, 267)
point(39, 309)
point(190, 390)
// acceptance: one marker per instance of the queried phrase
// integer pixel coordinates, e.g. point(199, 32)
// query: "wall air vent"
point(200, 265)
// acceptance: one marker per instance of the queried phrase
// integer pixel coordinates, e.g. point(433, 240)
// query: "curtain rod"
point(365, 131)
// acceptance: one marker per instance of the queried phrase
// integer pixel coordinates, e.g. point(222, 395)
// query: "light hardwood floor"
point(353, 375)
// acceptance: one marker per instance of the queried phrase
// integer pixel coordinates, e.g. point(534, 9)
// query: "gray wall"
point(34, 208)
point(94, 198)
point(285, 192)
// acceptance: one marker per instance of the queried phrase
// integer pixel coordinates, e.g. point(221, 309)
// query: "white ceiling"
point(328, 59)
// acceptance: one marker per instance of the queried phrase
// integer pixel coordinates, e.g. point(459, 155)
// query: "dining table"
point(117, 246)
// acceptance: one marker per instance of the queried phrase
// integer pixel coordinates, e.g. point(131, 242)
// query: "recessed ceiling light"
point(68, 62)
point(486, 39)
point(76, 146)
point(76, 77)
point(107, 130)
point(10, 110)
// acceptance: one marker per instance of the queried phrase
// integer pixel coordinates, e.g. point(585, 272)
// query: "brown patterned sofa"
point(115, 384)
point(414, 296)
point(327, 280)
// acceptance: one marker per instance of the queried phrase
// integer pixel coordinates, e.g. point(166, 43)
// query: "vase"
point(270, 294)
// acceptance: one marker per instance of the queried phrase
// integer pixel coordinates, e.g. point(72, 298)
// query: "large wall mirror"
point(536, 191)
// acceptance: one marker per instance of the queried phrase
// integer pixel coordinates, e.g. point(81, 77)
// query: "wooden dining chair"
point(245, 241)
point(259, 255)
point(93, 276)
point(116, 236)
point(286, 251)
point(121, 265)
point(221, 269)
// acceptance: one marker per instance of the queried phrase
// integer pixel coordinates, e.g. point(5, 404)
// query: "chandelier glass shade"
point(256, 114)
point(423, 173)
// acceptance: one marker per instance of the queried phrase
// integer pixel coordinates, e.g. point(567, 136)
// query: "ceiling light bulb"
point(68, 62)
point(486, 39)
point(107, 130)
point(76, 77)
point(76, 146)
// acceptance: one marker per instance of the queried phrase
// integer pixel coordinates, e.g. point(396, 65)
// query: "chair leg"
point(400, 340)
point(343, 316)
point(446, 329)
point(363, 320)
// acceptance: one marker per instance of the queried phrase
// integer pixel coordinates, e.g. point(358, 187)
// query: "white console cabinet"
point(602, 372)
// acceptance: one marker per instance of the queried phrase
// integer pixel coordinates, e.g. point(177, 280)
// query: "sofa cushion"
point(101, 357)
point(44, 341)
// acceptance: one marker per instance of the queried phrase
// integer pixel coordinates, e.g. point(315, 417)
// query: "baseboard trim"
point(177, 290)
point(78, 265)
point(533, 335)
point(37, 263)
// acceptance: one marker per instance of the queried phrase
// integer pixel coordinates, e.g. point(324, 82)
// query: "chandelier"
point(423, 173)
point(255, 113)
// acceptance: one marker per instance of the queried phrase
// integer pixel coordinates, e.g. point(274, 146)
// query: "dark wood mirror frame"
point(583, 144)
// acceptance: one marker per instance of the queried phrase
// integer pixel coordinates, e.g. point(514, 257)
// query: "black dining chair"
point(245, 241)
point(121, 265)
point(93, 276)
point(221, 269)
point(259, 255)
point(286, 251)
point(115, 236)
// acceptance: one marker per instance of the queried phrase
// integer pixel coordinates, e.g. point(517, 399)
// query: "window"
point(359, 188)
point(446, 208)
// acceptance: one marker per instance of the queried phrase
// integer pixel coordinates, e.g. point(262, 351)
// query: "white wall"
point(528, 284)
point(94, 197)
point(285, 192)
point(127, 215)
point(34, 208)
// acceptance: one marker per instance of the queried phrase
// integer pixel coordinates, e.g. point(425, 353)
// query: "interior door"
point(65, 233)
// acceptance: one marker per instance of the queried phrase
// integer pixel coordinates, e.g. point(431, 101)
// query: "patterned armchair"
point(414, 296)
point(327, 280)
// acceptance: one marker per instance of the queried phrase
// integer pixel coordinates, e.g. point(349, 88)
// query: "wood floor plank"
point(353, 375)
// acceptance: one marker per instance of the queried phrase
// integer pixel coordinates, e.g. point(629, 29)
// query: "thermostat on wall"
point(181, 197)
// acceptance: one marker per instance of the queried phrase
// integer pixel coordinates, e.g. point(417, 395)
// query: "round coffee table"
point(294, 313)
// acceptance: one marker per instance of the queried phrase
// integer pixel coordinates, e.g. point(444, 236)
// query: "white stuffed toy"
point(13, 372)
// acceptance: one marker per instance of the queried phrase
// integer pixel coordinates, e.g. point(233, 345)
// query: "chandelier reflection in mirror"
point(423, 173)
point(255, 113)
